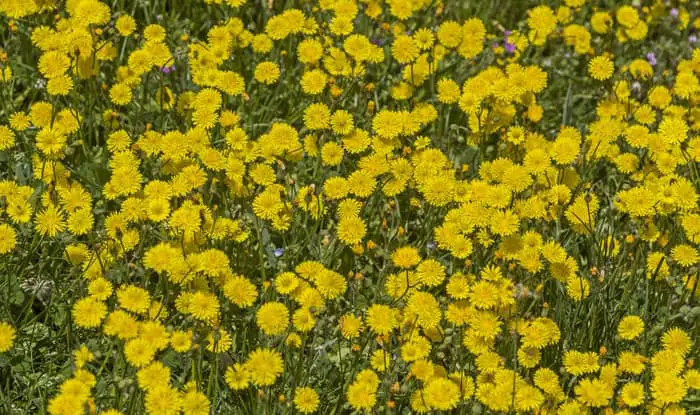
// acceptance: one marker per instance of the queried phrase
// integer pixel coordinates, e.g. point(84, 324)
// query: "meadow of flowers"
point(349, 207)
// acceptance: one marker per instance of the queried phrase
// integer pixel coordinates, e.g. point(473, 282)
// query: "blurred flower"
point(651, 58)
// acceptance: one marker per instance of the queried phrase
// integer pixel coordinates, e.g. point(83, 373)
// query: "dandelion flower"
point(7, 336)
point(264, 366)
point(306, 400)
point(630, 327)
point(273, 318)
point(601, 68)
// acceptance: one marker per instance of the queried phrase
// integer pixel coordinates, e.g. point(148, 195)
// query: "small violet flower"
point(651, 58)
point(510, 47)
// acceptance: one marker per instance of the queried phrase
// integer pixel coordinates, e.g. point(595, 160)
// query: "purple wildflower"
point(510, 47)
point(651, 58)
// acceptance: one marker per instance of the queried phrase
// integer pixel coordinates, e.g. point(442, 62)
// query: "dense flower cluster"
point(349, 206)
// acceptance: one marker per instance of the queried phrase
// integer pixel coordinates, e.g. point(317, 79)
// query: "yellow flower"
point(134, 298)
point(237, 377)
point(204, 306)
point(7, 336)
point(601, 68)
point(668, 388)
point(306, 400)
point(405, 257)
point(677, 340)
point(317, 117)
point(314, 82)
point(594, 393)
point(351, 230)
point(441, 394)
point(630, 327)
point(264, 366)
point(218, 341)
point(632, 394)
point(153, 375)
point(542, 22)
point(267, 72)
point(7, 238)
point(350, 326)
point(139, 352)
point(88, 312)
point(578, 363)
point(120, 94)
point(125, 25)
point(627, 16)
point(404, 49)
point(240, 291)
point(195, 403)
point(272, 318)
point(331, 154)
point(362, 393)
point(181, 341)
point(382, 319)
